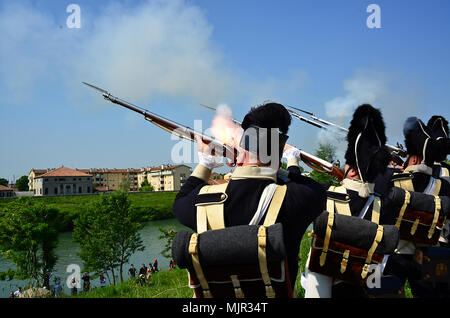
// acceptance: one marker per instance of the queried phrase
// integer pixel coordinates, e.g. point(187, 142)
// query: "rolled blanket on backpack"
point(419, 201)
point(421, 216)
point(357, 232)
point(237, 245)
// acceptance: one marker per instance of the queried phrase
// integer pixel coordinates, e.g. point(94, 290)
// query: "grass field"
point(164, 284)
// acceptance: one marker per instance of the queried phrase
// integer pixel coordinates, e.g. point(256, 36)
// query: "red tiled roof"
point(4, 188)
point(64, 172)
point(166, 167)
point(109, 170)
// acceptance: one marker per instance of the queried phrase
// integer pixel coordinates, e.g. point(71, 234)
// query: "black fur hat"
point(419, 142)
point(366, 149)
point(438, 127)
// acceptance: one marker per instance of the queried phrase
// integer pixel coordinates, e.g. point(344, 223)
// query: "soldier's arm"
point(183, 206)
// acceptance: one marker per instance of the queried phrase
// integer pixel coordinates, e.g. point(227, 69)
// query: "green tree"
point(28, 237)
point(146, 186)
point(168, 235)
point(108, 234)
point(22, 183)
point(326, 152)
point(4, 182)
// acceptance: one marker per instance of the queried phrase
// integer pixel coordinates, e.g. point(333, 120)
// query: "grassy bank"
point(164, 284)
point(153, 206)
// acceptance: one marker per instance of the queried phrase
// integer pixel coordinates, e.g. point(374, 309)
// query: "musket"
point(328, 123)
point(171, 126)
point(396, 152)
point(311, 161)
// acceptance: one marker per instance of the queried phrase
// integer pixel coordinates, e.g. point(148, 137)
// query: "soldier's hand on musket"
point(291, 152)
point(206, 154)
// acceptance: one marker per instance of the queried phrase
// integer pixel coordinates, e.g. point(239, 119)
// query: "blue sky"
point(168, 56)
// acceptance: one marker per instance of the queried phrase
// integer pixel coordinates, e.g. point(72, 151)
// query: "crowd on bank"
point(142, 275)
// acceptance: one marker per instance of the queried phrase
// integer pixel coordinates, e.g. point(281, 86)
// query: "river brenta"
point(67, 253)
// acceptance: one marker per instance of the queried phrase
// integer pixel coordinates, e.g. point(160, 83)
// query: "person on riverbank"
point(155, 265)
point(103, 280)
point(73, 286)
point(18, 292)
point(58, 289)
point(143, 270)
point(171, 264)
point(86, 282)
point(149, 271)
point(132, 271)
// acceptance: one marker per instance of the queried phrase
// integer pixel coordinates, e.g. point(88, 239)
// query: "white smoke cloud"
point(364, 87)
point(397, 98)
point(158, 48)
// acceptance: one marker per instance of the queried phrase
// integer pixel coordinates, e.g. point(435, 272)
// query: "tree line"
point(21, 183)
point(107, 231)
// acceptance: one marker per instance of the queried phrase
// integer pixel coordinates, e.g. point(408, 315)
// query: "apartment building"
point(162, 178)
point(165, 177)
point(114, 179)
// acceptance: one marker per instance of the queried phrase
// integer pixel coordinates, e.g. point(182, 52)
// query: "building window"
point(74, 179)
point(88, 189)
point(79, 190)
point(56, 190)
point(46, 191)
point(40, 191)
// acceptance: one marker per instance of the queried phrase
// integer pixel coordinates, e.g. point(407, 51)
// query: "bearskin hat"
point(419, 142)
point(438, 127)
point(366, 150)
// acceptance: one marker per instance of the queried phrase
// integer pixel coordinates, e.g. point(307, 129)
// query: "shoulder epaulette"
point(402, 176)
point(210, 198)
point(336, 196)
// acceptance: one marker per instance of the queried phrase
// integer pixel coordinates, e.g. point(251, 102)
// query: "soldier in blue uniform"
point(304, 199)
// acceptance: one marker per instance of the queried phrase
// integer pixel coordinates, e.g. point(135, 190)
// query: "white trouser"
point(316, 285)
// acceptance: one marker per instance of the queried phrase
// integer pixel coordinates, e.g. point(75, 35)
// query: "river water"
point(67, 251)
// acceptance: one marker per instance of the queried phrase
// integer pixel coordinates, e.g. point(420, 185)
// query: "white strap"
point(369, 201)
point(431, 186)
point(264, 203)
